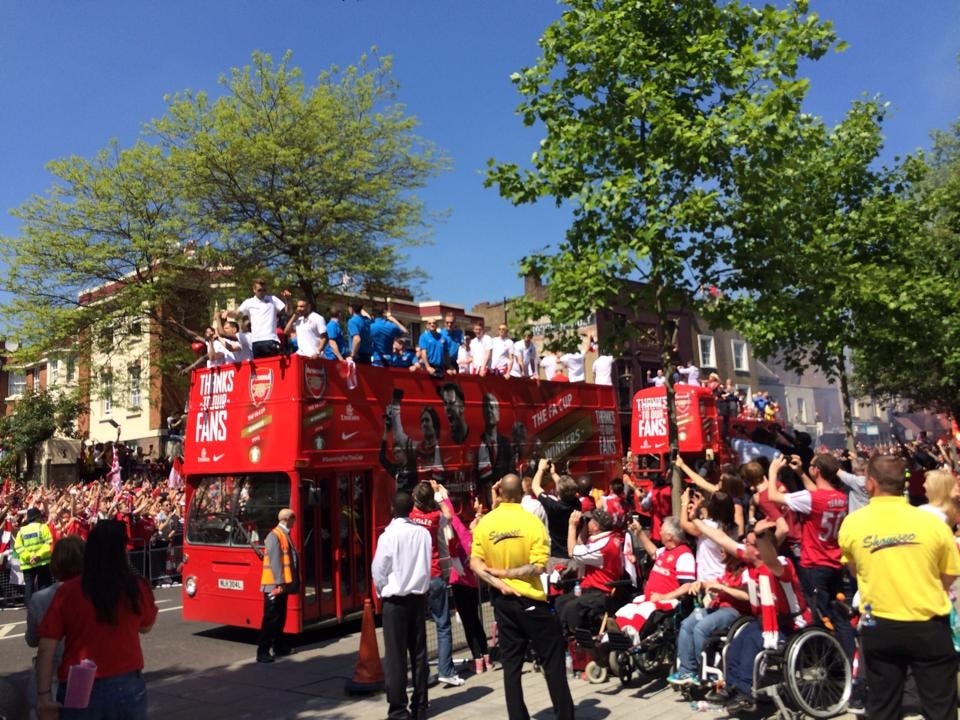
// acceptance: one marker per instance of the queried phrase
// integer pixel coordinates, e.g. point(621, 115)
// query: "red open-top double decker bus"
point(302, 433)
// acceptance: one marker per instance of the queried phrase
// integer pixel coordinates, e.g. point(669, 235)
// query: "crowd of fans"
point(150, 503)
point(762, 515)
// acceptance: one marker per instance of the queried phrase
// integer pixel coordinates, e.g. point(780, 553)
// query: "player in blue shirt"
point(336, 348)
point(384, 329)
point(358, 327)
point(432, 350)
point(454, 337)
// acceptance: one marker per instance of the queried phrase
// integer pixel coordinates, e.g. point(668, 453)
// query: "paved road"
point(203, 671)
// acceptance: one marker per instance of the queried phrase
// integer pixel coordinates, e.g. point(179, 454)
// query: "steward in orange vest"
point(279, 578)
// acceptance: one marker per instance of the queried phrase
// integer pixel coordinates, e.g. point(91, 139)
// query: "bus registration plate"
point(227, 584)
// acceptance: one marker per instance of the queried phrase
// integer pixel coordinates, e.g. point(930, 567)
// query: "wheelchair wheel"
point(621, 665)
point(817, 675)
point(738, 625)
point(595, 672)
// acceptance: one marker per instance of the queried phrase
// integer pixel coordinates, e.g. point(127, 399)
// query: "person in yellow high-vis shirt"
point(904, 560)
point(34, 546)
point(279, 578)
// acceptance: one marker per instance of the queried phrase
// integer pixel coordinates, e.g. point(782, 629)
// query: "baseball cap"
point(601, 517)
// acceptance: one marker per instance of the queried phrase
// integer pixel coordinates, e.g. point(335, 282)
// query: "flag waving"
point(114, 474)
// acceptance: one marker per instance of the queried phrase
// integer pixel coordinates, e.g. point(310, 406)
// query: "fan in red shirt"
point(755, 477)
point(658, 502)
point(600, 554)
point(673, 570)
point(99, 616)
point(821, 508)
point(775, 600)
point(427, 513)
point(615, 503)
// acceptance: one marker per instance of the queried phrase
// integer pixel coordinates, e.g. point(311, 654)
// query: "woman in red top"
point(100, 616)
point(427, 513)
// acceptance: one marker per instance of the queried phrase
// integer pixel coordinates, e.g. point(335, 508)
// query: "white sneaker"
point(454, 680)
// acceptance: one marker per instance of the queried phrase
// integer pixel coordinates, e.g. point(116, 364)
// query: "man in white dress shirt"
point(401, 575)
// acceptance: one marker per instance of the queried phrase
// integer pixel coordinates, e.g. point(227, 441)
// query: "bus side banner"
point(275, 413)
point(696, 419)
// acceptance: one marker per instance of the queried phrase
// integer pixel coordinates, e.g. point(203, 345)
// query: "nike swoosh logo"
point(218, 458)
point(348, 435)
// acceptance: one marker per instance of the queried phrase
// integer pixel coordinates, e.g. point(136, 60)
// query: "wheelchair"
point(601, 644)
point(806, 676)
point(712, 659)
point(656, 653)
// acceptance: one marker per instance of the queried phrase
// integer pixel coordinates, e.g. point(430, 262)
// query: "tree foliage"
point(310, 184)
point(38, 415)
point(914, 352)
point(811, 233)
point(646, 109)
point(301, 184)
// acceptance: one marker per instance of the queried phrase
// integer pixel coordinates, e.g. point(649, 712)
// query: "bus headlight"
point(190, 586)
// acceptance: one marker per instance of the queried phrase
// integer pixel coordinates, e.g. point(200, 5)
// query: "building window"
point(106, 390)
point(71, 368)
point(740, 363)
point(55, 372)
point(708, 354)
point(801, 410)
point(135, 391)
point(17, 382)
point(105, 339)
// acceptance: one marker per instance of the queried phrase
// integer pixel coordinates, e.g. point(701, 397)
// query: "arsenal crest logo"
point(683, 404)
point(261, 385)
point(315, 378)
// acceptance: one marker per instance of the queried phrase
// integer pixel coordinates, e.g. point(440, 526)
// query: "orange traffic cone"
point(368, 675)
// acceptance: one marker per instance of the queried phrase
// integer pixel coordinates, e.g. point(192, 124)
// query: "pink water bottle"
point(79, 684)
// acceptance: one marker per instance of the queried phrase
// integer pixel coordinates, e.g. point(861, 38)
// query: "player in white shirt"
point(574, 362)
point(262, 310)
point(658, 380)
point(549, 364)
point(524, 357)
point(603, 370)
point(311, 330)
point(691, 374)
point(481, 350)
point(501, 361)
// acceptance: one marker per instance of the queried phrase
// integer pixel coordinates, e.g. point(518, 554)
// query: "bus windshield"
point(236, 510)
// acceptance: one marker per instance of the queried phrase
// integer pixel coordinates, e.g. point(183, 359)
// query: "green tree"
point(309, 184)
point(301, 184)
point(811, 234)
point(91, 251)
point(646, 107)
point(914, 354)
point(38, 415)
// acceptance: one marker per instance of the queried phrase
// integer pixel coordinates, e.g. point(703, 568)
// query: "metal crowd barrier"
point(160, 562)
point(10, 595)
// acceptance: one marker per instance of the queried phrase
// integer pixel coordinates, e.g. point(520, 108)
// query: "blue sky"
point(73, 75)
